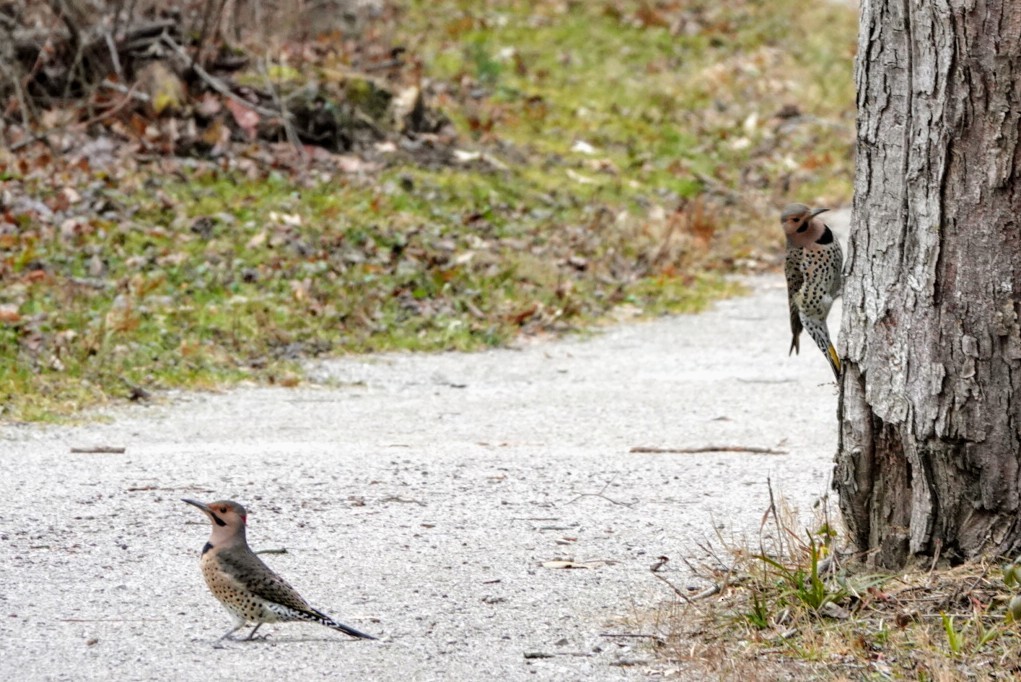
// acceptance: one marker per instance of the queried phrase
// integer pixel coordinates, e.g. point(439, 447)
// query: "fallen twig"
point(148, 488)
point(99, 450)
point(114, 57)
point(608, 499)
point(130, 91)
point(627, 635)
point(32, 139)
point(704, 594)
point(600, 494)
point(402, 500)
point(708, 592)
point(654, 569)
point(44, 135)
point(720, 188)
point(706, 448)
point(111, 620)
point(217, 84)
point(115, 109)
point(285, 117)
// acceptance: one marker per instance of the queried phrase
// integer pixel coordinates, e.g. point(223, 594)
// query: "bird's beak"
point(811, 215)
point(195, 503)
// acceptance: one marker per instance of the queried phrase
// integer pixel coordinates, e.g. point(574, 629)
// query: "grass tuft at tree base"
point(793, 608)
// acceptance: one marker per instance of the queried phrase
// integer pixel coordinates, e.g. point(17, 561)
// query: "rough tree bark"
point(930, 400)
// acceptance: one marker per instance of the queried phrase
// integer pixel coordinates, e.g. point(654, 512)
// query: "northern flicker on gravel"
point(247, 588)
point(813, 267)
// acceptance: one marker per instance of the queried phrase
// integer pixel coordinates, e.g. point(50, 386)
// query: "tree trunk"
point(930, 398)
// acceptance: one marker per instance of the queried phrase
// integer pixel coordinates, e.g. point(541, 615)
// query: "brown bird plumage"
point(246, 586)
point(813, 267)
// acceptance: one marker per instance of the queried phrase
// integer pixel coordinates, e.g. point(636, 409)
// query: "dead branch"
point(116, 108)
point(286, 117)
point(217, 84)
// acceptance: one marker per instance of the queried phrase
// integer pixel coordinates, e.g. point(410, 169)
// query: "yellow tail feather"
point(834, 359)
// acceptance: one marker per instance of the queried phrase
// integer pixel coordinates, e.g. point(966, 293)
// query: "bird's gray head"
point(228, 519)
point(799, 224)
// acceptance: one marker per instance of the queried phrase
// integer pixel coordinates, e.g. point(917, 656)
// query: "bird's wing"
point(256, 577)
point(795, 278)
point(838, 265)
point(263, 582)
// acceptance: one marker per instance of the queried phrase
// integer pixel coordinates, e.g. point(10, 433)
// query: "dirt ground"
point(419, 498)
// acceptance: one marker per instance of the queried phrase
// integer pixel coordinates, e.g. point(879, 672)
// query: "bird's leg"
point(238, 624)
point(251, 635)
point(227, 635)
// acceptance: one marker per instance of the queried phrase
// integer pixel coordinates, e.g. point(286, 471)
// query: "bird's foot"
point(222, 642)
point(251, 635)
point(226, 637)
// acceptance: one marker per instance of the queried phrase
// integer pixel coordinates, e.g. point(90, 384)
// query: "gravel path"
point(418, 497)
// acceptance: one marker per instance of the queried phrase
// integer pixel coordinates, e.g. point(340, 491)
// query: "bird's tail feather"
point(323, 619)
point(820, 334)
point(831, 355)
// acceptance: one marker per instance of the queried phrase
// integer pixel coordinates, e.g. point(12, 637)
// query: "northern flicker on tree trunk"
point(813, 267)
point(247, 588)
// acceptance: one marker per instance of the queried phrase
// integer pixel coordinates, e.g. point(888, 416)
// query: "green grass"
point(194, 274)
point(653, 99)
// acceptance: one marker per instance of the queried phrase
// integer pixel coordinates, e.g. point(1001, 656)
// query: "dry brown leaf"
point(246, 118)
point(9, 314)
